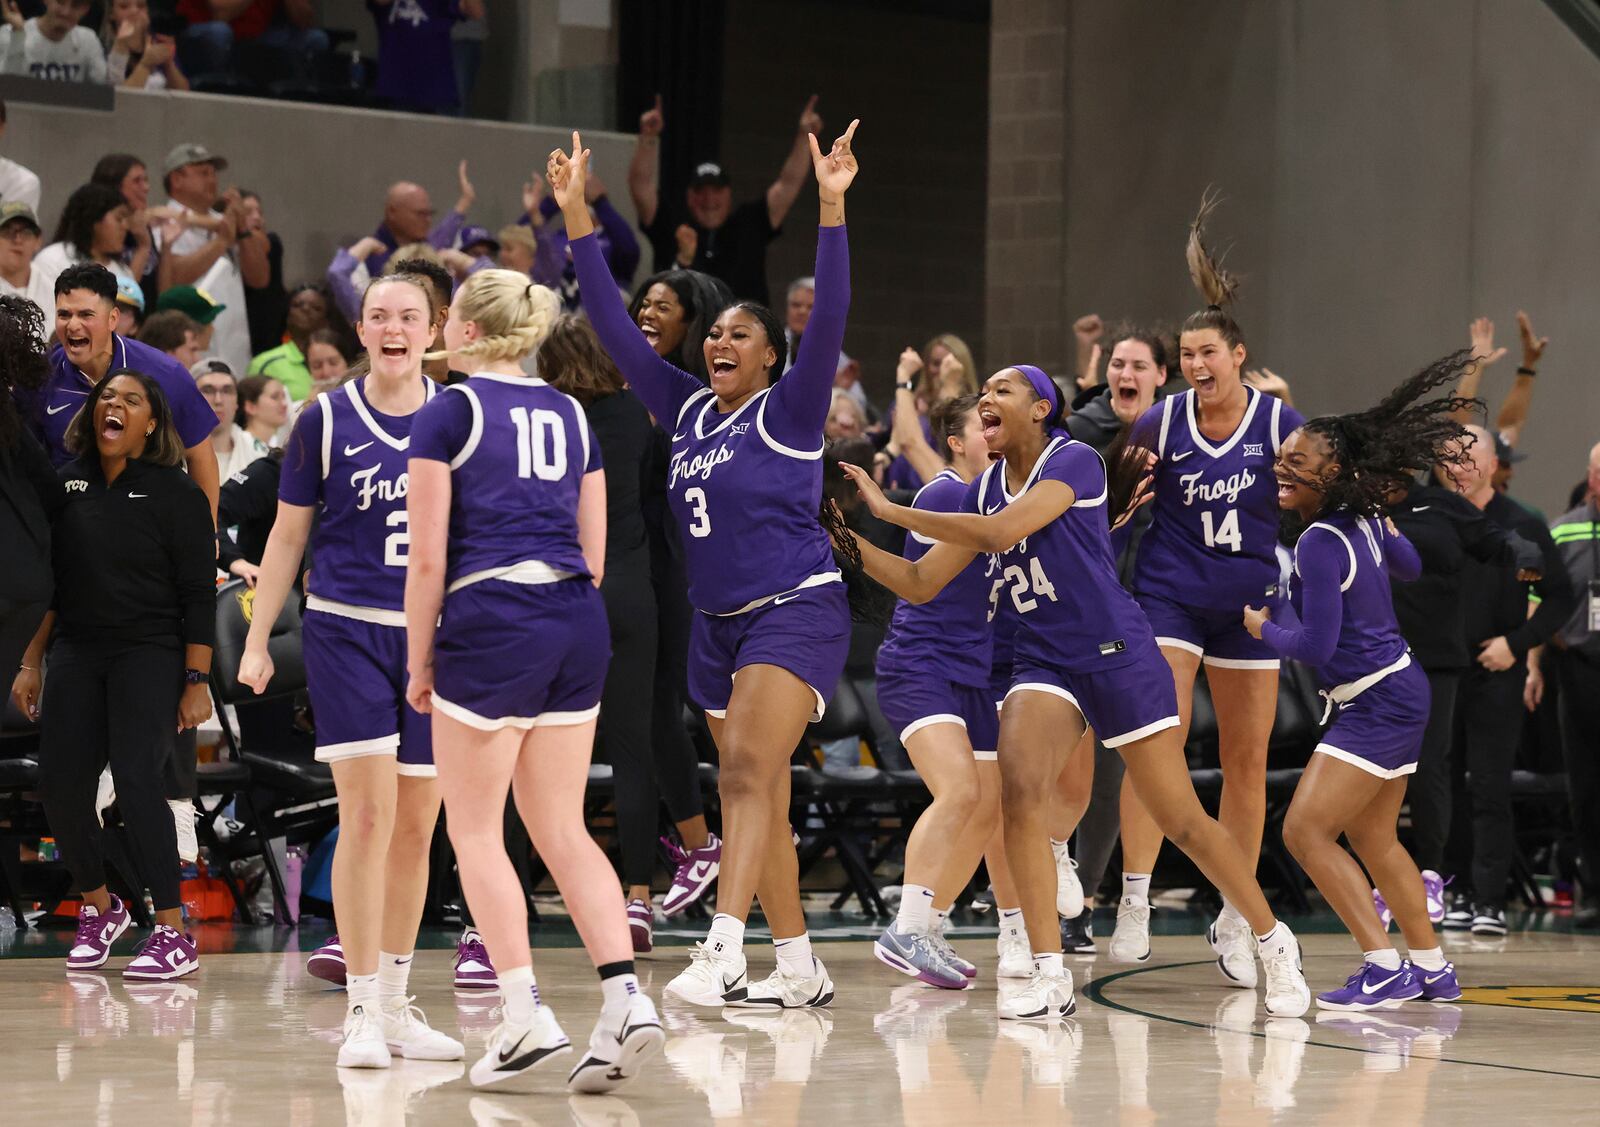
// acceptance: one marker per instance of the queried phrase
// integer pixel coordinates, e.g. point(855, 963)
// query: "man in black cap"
point(709, 233)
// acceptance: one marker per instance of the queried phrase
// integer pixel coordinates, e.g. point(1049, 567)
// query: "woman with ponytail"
point(1084, 657)
point(1333, 476)
point(1212, 544)
point(508, 648)
point(773, 628)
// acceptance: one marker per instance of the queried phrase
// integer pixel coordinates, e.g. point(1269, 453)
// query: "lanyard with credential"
point(1594, 566)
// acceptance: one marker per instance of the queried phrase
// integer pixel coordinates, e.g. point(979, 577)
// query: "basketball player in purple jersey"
point(1334, 475)
point(1085, 656)
point(507, 506)
point(345, 465)
point(773, 628)
point(933, 687)
point(1212, 542)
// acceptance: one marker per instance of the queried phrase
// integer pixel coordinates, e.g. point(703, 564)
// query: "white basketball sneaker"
point(1069, 889)
point(1235, 944)
point(1287, 992)
point(1130, 942)
point(619, 1046)
point(712, 978)
point(515, 1050)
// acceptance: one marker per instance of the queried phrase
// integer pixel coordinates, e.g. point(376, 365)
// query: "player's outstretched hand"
point(877, 504)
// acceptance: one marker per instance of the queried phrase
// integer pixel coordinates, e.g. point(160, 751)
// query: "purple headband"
point(1044, 387)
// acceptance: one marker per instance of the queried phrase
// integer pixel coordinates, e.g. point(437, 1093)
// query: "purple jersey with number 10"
point(1213, 539)
point(1072, 613)
point(351, 461)
point(518, 451)
point(949, 635)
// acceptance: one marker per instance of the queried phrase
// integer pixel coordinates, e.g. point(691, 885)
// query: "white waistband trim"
point(817, 580)
point(1350, 690)
point(360, 614)
point(528, 571)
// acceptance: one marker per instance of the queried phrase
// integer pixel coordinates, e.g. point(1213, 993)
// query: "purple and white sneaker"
point(167, 954)
point(696, 869)
point(1437, 985)
point(1433, 888)
point(641, 926)
point(96, 933)
point(916, 955)
point(1373, 988)
point(327, 962)
point(1384, 915)
point(474, 971)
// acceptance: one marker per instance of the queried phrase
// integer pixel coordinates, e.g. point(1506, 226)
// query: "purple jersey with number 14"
point(1213, 539)
point(518, 451)
point(350, 461)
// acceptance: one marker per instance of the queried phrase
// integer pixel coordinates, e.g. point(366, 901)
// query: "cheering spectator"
point(846, 419)
point(93, 227)
point(1501, 631)
point(289, 362)
point(416, 66)
point(197, 305)
point(327, 359)
point(51, 46)
point(30, 492)
point(1577, 669)
point(17, 184)
point(135, 58)
point(215, 25)
point(128, 175)
point(801, 297)
point(263, 408)
point(215, 251)
point(613, 233)
point(135, 534)
point(714, 236)
point(175, 333)
point(235, 447)
point(130, 307)
point(19, 243)
point(266, 306)
point(407, 219)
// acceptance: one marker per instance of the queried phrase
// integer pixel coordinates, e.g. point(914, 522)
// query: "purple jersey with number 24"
point(1213, 540)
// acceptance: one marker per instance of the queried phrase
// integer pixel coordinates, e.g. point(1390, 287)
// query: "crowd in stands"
point(198, 278)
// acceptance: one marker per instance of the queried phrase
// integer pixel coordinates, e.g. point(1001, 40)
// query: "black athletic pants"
point(677, 765)
point(1579, 709)
point(1488, 728)
point(1102, 821)
point(18, 624)
point(625, 717)
point(115, 703)
point(1429, 792)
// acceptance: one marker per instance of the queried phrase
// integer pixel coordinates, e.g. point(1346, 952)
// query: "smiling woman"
point(132, 640)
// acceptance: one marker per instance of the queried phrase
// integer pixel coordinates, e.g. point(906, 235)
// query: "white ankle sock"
point(937, 918)
point(794, 955)
point(1428, 958)
point(1266, 940)
point(1049, 962)
point(394, 972)
point(726, 934)
point(1010, 919)
point(1229, 912)
point(1388, 959)
point(519, 993)
point(916, 909)
point(362, 990)
point(1059, 848)
point(1136, 885)
point(617, 990)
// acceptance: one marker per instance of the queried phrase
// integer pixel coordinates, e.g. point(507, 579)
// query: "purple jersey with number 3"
point(350, 461)
point(1071, 611)
point(518, 451)
point(1212, 542)
point(949, 635)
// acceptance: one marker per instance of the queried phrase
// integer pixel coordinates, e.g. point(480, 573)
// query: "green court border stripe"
point(1095, 989)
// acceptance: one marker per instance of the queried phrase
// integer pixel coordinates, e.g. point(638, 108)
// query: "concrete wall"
point(918, 81)
point(321, 172)
point(1392, 169)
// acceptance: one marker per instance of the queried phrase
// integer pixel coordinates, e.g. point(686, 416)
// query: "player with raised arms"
point(1334, 475)
point(508, 650)
point(345, 468)
point(772, 631)
point(1085, 655)
point(1210, 548)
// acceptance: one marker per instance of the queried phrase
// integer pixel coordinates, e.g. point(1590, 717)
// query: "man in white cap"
point(213, 249)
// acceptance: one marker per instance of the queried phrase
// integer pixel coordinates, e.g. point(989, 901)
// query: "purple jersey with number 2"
point(1061, 582)
point(351, 461)
point(518, 451)
point(1213, 539)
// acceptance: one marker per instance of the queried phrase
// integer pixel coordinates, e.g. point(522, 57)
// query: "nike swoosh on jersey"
point(1420, 508)
point(1365, 989)
point(133, 495)
point(56, 410)
point(1182, 456)
point(352, 451)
